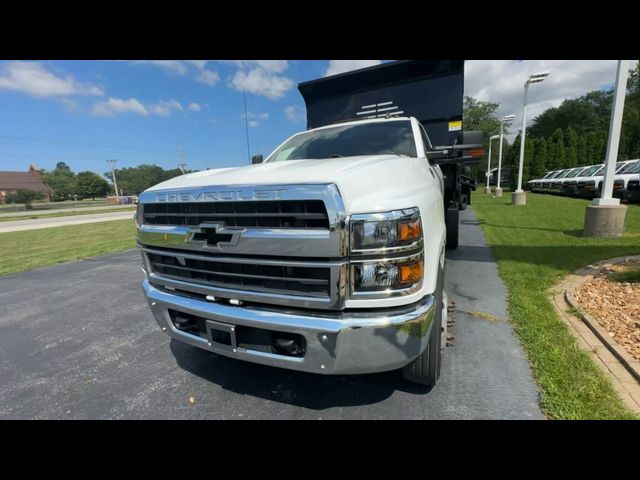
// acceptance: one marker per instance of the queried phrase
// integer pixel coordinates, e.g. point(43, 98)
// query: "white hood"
point(366, 183)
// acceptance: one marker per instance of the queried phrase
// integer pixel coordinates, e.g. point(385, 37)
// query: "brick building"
point(30, 180)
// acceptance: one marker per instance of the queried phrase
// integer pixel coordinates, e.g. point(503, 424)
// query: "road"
point(34, 224)
point(77, 341)
point(44, 211)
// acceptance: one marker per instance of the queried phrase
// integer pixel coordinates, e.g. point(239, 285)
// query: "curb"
point(630, 363)
point(619, 352)
point(622, 369)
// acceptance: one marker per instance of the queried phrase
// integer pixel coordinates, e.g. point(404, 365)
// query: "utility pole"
point(181, 164)
point(112, 164)
point(246, 123)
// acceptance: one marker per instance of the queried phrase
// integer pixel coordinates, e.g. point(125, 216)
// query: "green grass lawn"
point(30, 249)
point(40, 214)
point(628, 276)
point(535, 246)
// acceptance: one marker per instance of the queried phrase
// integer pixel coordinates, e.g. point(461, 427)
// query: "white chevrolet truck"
point(328, 256)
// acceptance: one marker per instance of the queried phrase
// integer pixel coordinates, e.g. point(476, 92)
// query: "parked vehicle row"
point(586, 182)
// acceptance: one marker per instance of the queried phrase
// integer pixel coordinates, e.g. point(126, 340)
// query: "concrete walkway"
point(34, 224)
point(24, 213)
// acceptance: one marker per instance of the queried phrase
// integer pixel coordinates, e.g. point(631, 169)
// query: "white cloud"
point(165, 107)
point(261, 82)
point(195, 69)
point(502, 81)
point(341, 66)
point(171, 66)
point(70, 105)
point(162, 108)
point(294, 114)
point(271, 66)
point(199, 64)
point(261, 77)
point(208, 77)
point(112, 106)
point(33, 78)
point(255, 119)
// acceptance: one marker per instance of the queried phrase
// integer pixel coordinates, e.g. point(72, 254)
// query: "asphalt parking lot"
point(77, 341)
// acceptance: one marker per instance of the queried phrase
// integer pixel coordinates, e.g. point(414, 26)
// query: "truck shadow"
point(315, 392)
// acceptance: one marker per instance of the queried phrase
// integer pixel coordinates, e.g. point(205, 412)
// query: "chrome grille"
point(254, 276)
point(278, 244)
point(263, 214)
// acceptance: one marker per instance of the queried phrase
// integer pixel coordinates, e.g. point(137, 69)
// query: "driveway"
point(35, 223)
point(78, 341)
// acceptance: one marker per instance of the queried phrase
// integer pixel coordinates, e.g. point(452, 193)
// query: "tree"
point(596, 147)
point(555, 151)
point(61, 180)
point(479, 115)
point(583, 159)
point(633, 83)
point(24, 196)
point(571, 148)
point(89, 184)
point(540, 155)
point(133, 180)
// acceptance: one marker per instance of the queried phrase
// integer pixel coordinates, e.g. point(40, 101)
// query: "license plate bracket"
point(221, 336)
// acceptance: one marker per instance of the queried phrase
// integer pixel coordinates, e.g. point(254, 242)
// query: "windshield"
point(620, 166)
point(556, 173)
point(563, 174)
point(591, 170)
point(574, 172)
point(376, 138)
point(548, 175)
point(635, 168)
point(630, 167)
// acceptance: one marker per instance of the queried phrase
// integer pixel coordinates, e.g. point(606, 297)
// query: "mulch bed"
point(615, 306)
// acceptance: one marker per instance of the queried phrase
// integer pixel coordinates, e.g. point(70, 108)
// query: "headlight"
point(396, 239)
point(399, 274)
point(397, 230)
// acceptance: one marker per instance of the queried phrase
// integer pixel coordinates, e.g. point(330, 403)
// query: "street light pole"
point(614, 136)
point(488, 189)
point(507, 119)
point(519, 197)
point(606, 217)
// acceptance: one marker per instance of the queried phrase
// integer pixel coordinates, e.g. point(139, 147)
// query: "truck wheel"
point(464, 201)
point(425, 369)
point(452, 220)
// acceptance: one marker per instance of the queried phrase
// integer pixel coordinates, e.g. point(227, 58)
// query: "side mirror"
point(467, 150)
point(256, 159)
point(470, 137)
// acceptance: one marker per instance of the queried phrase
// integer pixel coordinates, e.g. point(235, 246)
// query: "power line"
point(76, 145)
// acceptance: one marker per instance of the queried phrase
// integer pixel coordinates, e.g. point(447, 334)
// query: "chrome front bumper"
point(336, 343)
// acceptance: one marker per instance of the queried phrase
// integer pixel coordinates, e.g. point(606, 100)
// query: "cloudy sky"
point(85, 112)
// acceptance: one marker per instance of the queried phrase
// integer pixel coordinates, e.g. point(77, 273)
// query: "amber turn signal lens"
point(409, 231)
point(410, 273)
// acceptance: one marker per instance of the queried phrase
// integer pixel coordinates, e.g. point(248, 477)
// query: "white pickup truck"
point(326, 257)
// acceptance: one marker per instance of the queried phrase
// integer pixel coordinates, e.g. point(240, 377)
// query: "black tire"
point(425, 369)
point(464, 201)
point(452, 220)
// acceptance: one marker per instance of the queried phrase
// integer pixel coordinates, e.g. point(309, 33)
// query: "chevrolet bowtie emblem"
point(214, 236)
